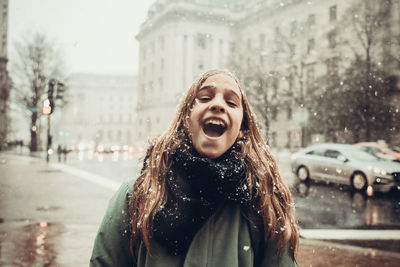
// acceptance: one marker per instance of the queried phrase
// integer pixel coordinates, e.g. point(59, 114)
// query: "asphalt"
point(49, 215)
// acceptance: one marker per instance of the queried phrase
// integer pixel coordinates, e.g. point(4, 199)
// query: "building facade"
point(180, 39)
point(100, 111)
point(4, 79)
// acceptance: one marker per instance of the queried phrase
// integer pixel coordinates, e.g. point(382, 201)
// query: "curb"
point(350, 234)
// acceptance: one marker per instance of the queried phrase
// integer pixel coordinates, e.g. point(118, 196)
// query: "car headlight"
point(382, 181)
point(377, 170)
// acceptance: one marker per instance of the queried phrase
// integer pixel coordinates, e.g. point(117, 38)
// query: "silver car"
point(346, 164)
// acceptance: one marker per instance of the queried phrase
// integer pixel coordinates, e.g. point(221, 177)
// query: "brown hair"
point(272, 196)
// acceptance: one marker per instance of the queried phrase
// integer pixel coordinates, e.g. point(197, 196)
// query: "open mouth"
point(214, 128)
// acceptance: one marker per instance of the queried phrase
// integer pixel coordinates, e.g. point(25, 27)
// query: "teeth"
point(216, 122)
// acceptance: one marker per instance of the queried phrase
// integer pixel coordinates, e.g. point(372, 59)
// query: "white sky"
point(95, 36)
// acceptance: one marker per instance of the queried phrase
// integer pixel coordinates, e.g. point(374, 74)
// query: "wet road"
point(318, 205)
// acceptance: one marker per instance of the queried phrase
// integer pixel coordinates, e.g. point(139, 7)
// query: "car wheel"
point(359, 181)
point(303, 174)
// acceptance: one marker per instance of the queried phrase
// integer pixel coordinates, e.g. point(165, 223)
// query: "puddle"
point(29, 245)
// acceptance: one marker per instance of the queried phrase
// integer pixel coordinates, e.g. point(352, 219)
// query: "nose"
point(217, 105)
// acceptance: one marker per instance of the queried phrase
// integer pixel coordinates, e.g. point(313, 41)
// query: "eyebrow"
point(214, 88)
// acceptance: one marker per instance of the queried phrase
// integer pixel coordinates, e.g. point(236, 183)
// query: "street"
point(49, 217)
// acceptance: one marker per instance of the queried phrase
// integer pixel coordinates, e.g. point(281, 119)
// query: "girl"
point(209, 193)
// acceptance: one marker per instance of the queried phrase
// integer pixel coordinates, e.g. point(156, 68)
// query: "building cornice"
point(183, 11)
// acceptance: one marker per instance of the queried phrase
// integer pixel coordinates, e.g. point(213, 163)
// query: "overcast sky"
point(96, 36)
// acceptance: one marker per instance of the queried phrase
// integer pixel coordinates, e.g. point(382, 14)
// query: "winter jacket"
point(224, 240)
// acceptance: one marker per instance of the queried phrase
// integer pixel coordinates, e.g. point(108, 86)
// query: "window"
point(311, 20)
point(289, 139)
point(293, 28)
point(277, 30)
point(292, 50)
point(332, 66)
point(274, 113)
point(289, 113)
point(151, 86)
point(310, 45)
point(332, 153)
point(310, 77)
point(332, 39)
point(275, 85)
point(128, 137)
point(317, 152)
point(290, 84)
point(261, 59)
point(162, 42)
point(160, 82)
point(119, 135)
point(152, 48)
point(233, 47)
point(162, 64)
point(332, 13)
point(144, 53)
point(262, 40)
point(273, 141)
point(201, 40)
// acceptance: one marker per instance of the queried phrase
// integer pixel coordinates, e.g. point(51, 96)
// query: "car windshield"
point(390, 149)
point(396, 148)
point(360, 155)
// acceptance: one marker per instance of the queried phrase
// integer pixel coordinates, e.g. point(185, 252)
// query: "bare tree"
point(365, 109)
point(368, 20)
point(36, 62)
point(293, 48)
point(260, 83)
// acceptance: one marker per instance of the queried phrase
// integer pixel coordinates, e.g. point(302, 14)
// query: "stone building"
point(100, 110)
point(4, 79)
point(180, 39)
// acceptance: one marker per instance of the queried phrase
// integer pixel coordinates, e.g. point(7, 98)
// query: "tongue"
point(213, 130)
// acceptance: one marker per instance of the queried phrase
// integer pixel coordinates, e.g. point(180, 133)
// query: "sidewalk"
point(49, 216)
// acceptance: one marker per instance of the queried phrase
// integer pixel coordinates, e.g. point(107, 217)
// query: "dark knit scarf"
point(196, 186)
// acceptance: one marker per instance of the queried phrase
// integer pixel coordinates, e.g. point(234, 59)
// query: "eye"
point(204, 98)
point(231, 103)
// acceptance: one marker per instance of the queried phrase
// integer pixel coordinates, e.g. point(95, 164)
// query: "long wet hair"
point(272, 198)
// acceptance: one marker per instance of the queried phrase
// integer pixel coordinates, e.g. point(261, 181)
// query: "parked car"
point(346, 164)
point(379, 149)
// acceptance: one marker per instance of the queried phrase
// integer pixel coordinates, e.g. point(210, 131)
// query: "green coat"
point(224, 240)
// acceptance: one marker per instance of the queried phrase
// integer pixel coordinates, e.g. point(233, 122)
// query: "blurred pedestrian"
point(65, 152)
point(209, 194)
point(59, 151)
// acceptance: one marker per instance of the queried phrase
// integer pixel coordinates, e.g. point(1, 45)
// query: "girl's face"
point(216, 115)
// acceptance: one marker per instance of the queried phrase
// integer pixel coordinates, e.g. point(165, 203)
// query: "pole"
point(48, 139)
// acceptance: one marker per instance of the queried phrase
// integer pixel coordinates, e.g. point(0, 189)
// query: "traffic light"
point(60, 90)
point(50, 94)
point(50, 90)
